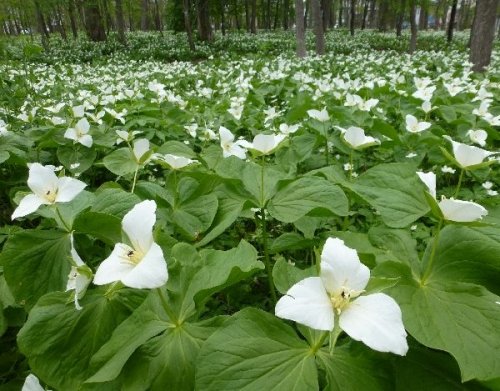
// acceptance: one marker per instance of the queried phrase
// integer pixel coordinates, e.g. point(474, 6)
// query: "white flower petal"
point(68, 189)
point(429, 179)
point(28, 205)
point(266, 143)
point(461, 211)
point(141, 146)
point(307, 303)
point(83, 126)
point(138, 225)
point(42, 179)
point(151, 272)
point(356, 138)
point(468, 155)
point(32, 384)
point(71, 134)
point(225, 135)
point(115, 267)
point(341, 267)
point(376, 321)
point(86, 140)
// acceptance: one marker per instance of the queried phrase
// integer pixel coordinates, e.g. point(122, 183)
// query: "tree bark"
point(413, 27)
point(365, 14)
point(187, 24)
point(247, 16)
point(120, 22)
point(353, 16)
point(158, 24)
point(286, 10)
point(341, 12)
point(145, 15)
point(482, 34)
point(253, 21)
point(318, 27)
point(401, 17)
point(205, 29)
point(300, 30)
point(72, 18)
point(372, 14)
point(451, 24)
point(41, 25)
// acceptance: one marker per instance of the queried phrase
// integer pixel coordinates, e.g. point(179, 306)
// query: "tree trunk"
point(236, 15)
point(326, 6)
point(365, 14)
point(41, 25)
point(286, 10)
point(222, 17)
point(247, 16)
point(333, 15)
point(300, 30)
point(353, 16)
point(383, 15)
point(72, 18)
point(341, 12)
point(120, 22)
point(372, 14)
point(60, 22)
point(158, 24)
point(276, 15)
point(452, 20)
point(401, 17)
point(205, 29)
point(413, 27)
point(318, 26)
point(253, 21)
point(482, 34)
point(145, 15)
point(268, 15)
point(187, 24)
point(93, 19)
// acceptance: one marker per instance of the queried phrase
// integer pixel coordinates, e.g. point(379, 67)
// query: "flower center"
point(51, 195)
point(134, 256)
point(340, 300)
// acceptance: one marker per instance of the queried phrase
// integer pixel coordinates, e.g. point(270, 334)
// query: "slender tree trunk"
point(401, 17)
point(383, 15)
point(247, 16)
point(41, 25)
point(120, 22)
point(451, 24)
point(268, 15)
point(413, 27)
point(222, 17)
point(205, 29)
point(158, 23)
point(130, 19)
point(187, 24)
point(94, 25)
point(341, 12)
point(333, 15)
point(372, 15)
point(353, 16)
point(300, 29)
point(145, 15)
point(318, 27)
point(365, 13)
point(236, 15)
point(483, 34)
point(286, 10)
point(72, 18)
point(253, 21)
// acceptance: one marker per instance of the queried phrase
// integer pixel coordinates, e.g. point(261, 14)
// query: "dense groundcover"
point(250, 222)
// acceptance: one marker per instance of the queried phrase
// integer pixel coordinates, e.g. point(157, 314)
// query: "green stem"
point(351, 167)
point(267, 260)
point(68, 228)
point(174, 178)
point(317, 346)
point(325, 131)
point(262, 169)
point(166, 307)
point(135, 179)
point(459, 183)
point(334, 335)
point(428, 268)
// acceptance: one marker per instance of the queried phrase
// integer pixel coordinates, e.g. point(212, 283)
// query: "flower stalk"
point(428, 268)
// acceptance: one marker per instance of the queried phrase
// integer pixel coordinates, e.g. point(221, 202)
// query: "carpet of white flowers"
point(250, 221)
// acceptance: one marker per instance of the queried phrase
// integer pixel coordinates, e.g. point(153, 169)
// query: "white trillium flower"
point(424, 93)
point(32, 384)
point(174, 161)
point(3, 128)
point(141, 263)
point(79, 276)
point(321, 116)
point(47, 189)
point(231, 147)
point(467, 155)
point(453, 210)
point(78, 111)
point(80, 133)
point(426, 106)
point(355, 137)
point(140, 149)
point(123, 135)
point(413, 126)
point(335, 296)
point(478, 136)
point(267, 143)
point(236, 111)
point(57, 120)
point(288, 129)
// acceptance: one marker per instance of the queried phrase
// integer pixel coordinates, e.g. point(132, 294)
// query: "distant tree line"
point(98, 17)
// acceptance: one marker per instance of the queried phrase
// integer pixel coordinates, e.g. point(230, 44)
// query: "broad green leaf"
point(290, 241)
point(426, 369)
point(460, 318)
point(116, 202)
point(304, 195)
point(255, 351)
point(103, 226)
point(468, 255)
point(60, 340)
point(261, 183)
point(176, 148)
point(195, 216)
point(395, 191)
point(76, 159)
point(35, 263)
point(397, 243)
point(346, 369)
point(4, 156)
point(285, 275)
point(121, 162)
